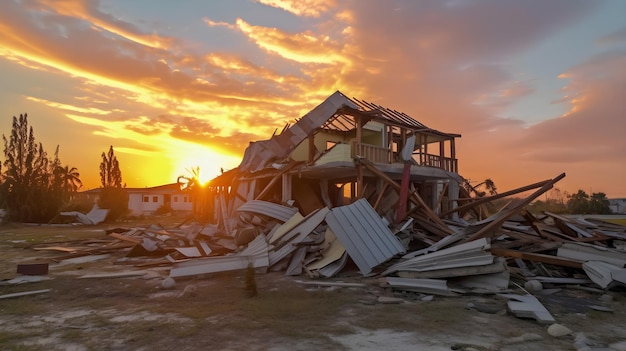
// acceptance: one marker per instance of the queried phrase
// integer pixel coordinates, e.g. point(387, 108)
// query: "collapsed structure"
point(352, 181)
point(342, 150)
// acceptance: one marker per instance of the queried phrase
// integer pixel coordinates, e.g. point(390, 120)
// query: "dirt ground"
point(214, 312)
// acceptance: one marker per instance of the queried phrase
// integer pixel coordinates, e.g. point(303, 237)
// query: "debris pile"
point(353, 184)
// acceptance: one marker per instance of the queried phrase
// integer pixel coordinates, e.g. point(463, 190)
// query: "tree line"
point(576, 203)
point(556, 201)
point(35, 187)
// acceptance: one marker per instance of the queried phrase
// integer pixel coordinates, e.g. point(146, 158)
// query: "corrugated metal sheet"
point(463, 255)
point(270, 209)
point(364, 235)
point(256, 254)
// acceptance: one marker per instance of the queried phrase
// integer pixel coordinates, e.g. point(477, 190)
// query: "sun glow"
point(210, 162)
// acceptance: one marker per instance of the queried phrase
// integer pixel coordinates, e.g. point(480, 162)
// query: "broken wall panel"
point(287, 242)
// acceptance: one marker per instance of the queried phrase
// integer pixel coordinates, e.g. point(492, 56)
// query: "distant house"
point(146, 201)
point(617, 205)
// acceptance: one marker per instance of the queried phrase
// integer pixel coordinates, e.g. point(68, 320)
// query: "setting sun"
point(210, 162)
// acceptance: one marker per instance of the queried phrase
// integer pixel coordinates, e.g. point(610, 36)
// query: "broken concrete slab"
point(527, 306)
point(605, 274)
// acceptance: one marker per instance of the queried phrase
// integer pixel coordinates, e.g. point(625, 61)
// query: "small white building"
point(617, 205)
point(146, 201)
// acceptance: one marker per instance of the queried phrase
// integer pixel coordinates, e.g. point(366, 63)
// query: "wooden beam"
point(482, 200)
point(441, 195)
point(274, 180)
point(380, 196)
point(557, 261)
point(491, 227)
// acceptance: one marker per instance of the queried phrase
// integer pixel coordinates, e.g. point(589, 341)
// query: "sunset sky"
point(535, 88)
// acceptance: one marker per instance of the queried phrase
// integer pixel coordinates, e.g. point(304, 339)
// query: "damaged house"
point(355, 182)
point(342, 150)
point(300, 188)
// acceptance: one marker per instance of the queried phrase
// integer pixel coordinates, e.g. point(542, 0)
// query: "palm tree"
point(191, 181)
point(69, 178)
point(488, 184)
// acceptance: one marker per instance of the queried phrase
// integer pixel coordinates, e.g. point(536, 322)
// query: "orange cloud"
point(311, 8)
point(301, 47)
point(212, 23)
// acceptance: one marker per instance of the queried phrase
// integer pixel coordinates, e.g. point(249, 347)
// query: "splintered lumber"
point(286, 244)
point(381, 193)
point(275, 179)
point(413, 196)
point(557, 261)
point(502, 217)
point(482, 200)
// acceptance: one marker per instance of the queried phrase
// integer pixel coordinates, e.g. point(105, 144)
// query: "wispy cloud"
point(312, 8)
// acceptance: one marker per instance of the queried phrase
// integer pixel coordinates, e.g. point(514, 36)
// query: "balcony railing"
point(373, 153)
point(380, 154)
point(447, 163)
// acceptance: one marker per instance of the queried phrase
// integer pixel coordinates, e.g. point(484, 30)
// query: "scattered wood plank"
point(557, 261)
point(25, 293)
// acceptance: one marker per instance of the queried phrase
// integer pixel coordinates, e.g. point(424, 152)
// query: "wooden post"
point(359, 135)
point(390, 143)
point(359, 181)
point(311, 148)
point(442, 152)
point(453, 157)
point(426, 158)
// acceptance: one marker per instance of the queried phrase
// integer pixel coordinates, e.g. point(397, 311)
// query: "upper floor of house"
point(379, 134)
